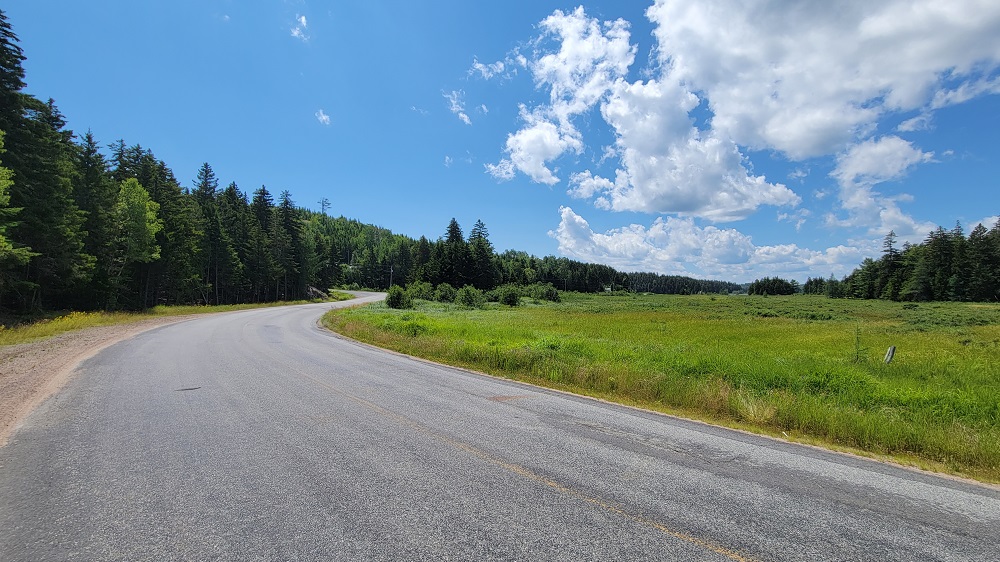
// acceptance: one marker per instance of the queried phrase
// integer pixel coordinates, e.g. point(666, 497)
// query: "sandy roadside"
point(31, 372)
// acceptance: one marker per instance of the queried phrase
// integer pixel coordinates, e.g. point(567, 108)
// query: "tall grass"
point(808, 367)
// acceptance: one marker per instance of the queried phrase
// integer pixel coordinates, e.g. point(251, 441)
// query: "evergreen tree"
point(40, 153)
point(263, 267)
point(12, 255)
point(481, 257)
point(95, 194)
point(219, 260)
point(11, 77)
point(234, 216)
point(983, 259)
point(455, 258)
point(890, 282)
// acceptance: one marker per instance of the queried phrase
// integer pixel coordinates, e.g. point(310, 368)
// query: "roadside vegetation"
point(40, 327)
point(805, 367)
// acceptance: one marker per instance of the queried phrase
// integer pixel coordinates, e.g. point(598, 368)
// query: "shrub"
point(543, 292)
point(508, 295)
point(398, 298)
point(420, 290)
point(470, 297)
point(444, 293)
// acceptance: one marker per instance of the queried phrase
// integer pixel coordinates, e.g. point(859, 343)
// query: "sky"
point(727, 140)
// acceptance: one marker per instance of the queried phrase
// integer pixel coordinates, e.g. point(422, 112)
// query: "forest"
point(91, 227)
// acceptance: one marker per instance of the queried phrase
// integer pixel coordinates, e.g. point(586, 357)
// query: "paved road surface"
point(258, 436)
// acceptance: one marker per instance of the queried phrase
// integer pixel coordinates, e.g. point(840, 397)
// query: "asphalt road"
point(259, 436)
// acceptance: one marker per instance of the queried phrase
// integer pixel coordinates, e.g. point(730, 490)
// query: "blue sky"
point(725, 140)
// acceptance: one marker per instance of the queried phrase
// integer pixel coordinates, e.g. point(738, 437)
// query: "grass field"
point(809, 368)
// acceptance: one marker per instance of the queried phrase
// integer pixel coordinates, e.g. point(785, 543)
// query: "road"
point(258, 435)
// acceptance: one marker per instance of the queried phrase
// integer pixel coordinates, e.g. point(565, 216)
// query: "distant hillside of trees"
point(83, 230)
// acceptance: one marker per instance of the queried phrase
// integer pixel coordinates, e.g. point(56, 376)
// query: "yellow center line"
point(530, 475)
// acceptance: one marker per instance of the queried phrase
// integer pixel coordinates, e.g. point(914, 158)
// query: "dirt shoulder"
point(31, 372)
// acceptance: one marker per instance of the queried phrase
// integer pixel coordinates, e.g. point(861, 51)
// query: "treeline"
point(773, 286)
point(946, 266)
point(678, 285)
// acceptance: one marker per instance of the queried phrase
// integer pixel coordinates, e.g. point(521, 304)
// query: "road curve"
point(258, 435)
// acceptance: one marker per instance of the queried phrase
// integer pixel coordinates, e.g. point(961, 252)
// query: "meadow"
point(806, 368)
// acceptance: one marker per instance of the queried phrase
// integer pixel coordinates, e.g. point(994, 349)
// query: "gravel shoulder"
point(31, 372)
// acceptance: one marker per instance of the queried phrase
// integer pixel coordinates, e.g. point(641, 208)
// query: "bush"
point(445, 293)
point(471, 297)
point(398, 298)
point(543, 292)
point(508, 295)
point(420, 290)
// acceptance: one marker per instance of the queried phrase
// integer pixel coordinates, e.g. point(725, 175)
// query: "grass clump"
point(808, 367)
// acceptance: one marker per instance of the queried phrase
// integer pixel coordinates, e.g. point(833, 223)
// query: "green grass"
point(809, 368)
point(58, 323)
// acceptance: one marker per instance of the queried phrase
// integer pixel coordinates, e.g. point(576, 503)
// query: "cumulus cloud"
point(322, 117)
point(591, 57)
point(667, 164)
point(456, 104)
point(299, 28)
point(678, 246)
point(866, 165)
point(807, 80)
point(447, 161)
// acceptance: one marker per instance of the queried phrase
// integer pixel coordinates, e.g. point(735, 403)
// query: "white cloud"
point(456, 104)
point(322, 117)
point(418, 110)
point(447, 161)
point(878, 160)
point(808, 80)
point(799, 174)
point(502, 170)
point(299, 28)
point(678, 246)
point(921, 122)
point(531, 147)
point(667, 164)
point(866, 165)
point(988, 222)
point(590, 59)
point(487, 71)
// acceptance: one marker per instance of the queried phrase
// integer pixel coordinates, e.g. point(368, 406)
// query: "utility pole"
point(324, 204)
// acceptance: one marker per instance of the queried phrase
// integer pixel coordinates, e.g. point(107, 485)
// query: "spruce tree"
point(95, 193)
